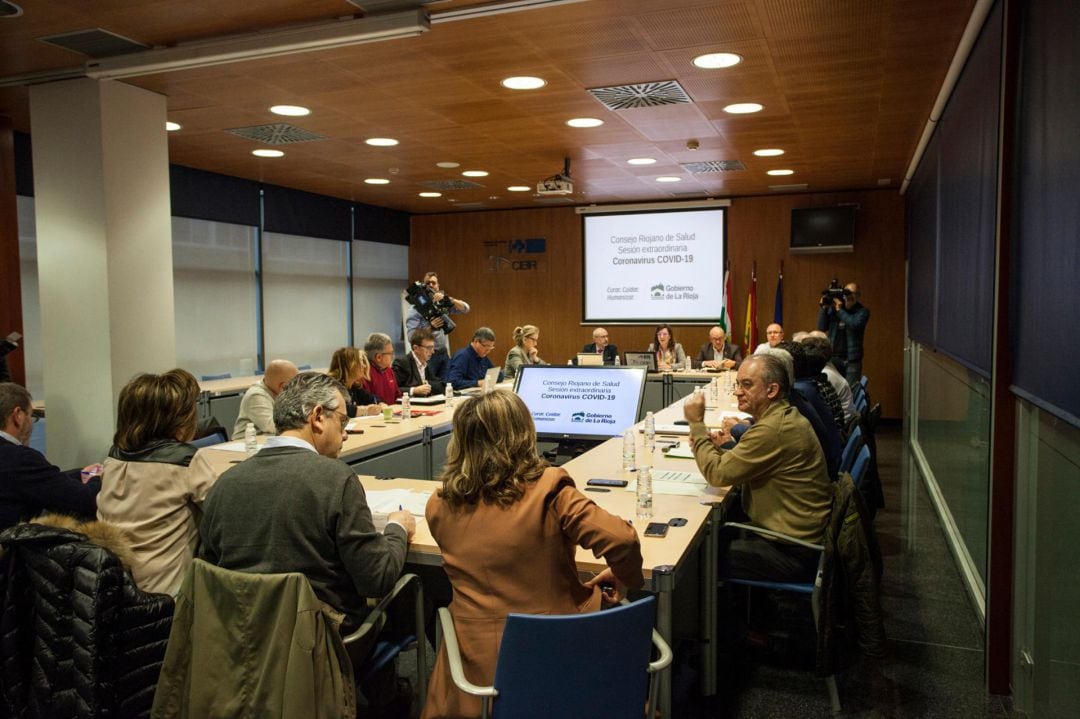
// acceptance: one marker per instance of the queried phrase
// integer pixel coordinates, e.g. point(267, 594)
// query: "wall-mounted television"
point(823, 229)
point(581, 403)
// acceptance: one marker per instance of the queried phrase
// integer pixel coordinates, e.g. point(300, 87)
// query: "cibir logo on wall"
point(523, 254)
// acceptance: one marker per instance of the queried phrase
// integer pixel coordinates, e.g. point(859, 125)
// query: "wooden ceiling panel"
point(714, 23)
point(846, 85)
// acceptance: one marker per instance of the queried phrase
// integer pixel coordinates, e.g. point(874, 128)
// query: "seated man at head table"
point(413, 370)
point(470, 363)
point(600, 345)
point(29, 485)
point(257, 406)
point(774, 333)
point(779, 467)
point(295, 507)
point(718, 352)
point(381, 382)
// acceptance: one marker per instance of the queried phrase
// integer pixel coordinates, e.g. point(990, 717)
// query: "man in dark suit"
point(718, 352)
point(413, 371)
point(29, 485)
point(600, 345)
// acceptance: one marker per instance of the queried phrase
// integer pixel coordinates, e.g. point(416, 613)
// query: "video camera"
point(9, 344)
point(833, 292)
point(423, 299)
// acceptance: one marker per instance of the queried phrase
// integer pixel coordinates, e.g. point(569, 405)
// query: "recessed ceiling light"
point(769, 152)
point(448, 165)
point(523, 82)
point(290, 110)
point(430, 194)
point(584, 122)
point(475, 173)
point(268, 153)
point(743, 108)
point(381, 141)
point(641, 161)
point(669, 178)
point(171, 126)
point(519, 188)
point(377, 181)
point(780, 172)
point(716, 60)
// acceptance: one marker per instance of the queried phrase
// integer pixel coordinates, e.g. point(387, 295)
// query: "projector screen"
point(665, 266)
point(581, 402)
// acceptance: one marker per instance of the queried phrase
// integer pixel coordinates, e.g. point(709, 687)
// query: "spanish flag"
point(750, 330)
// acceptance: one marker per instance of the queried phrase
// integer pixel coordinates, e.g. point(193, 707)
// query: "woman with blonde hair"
point(669, 353)
point(507, 525)
point(350, 367)
point(153, 484)
point(524, 352)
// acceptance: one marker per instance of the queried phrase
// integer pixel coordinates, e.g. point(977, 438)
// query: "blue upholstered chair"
point(210, 439)
point(212, 377)
point(579, 665)
point(860, 467)
point(855, 442)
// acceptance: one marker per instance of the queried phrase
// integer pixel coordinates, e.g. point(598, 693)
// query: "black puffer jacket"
point(77, 637)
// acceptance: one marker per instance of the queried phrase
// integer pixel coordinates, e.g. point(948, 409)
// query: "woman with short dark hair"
point(508, 525)
point(150, 486)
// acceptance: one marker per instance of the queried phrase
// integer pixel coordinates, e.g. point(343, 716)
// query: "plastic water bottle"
point(644, 492)
point(689, 364)
point(650, 433)
point(617, 360)
point(629, 451)
point(406, 401)
point(251, 445)
point(449, 392)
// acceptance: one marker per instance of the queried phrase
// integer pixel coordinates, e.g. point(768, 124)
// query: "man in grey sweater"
point(295, 507)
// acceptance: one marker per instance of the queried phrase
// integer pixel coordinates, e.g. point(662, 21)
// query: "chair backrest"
point(861, 465)
point(304, 367)
point(212, 377)
point(581, 665)
point(210, 439)
point(854, 442)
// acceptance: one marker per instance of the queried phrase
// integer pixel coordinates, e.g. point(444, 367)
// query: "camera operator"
point(439, 363)
point(844, 318)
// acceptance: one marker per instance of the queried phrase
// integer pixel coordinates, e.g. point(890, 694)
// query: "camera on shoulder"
point(833, 292)
point(423, 299)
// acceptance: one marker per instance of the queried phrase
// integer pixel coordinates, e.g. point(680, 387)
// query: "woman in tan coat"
point(508, 526)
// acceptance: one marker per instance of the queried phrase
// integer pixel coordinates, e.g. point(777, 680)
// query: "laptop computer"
point(641, 359)
point(589, 359)
point(491, 377)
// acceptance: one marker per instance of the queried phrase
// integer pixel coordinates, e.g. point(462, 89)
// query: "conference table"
point(386, 453)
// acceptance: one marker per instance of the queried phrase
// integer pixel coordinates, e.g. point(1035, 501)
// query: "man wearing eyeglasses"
point(295, 507)
point(414, 369)
point(601, 345)
point(381, 383)
point(29, 485)
point(414, 321)
point(471, 363)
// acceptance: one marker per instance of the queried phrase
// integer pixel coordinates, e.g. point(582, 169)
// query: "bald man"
point(601, 345)
point(257, 406)
point(774, 334)
point(718, 352)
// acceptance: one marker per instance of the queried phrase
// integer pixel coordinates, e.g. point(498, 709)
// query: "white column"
point(101, 186)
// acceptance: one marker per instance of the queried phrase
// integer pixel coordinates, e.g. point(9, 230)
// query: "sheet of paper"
point(391, 500)
point(237, 446)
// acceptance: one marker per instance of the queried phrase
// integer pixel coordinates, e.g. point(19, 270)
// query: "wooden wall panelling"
point(758, 229)
point(10, 281)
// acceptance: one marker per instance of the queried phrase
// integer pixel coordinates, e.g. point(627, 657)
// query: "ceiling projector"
point(556, 185)
point(559, 184)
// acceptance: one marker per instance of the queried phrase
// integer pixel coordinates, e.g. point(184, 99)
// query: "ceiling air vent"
point(794, 186)
point(690, 193)
point(443, 185)
point(468, 205)
point(279, 133)
point(553, 201)
point(96, 43)
point(646, 94)
point(702, 168)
